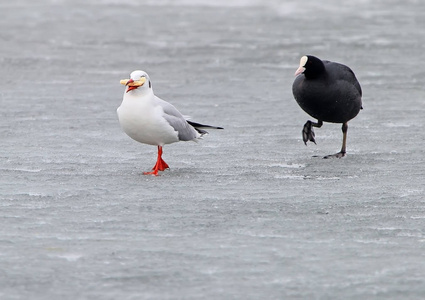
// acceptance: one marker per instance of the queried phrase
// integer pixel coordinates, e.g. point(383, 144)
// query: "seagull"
point(329, 92)
point(150, 120)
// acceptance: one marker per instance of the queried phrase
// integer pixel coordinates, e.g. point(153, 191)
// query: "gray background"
point(247, 213)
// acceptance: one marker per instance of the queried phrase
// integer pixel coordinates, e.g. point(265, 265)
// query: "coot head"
point(311, 66)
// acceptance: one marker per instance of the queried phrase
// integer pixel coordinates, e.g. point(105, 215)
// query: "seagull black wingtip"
point(199, 125)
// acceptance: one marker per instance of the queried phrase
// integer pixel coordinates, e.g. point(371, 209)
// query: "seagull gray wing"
point(177, 121)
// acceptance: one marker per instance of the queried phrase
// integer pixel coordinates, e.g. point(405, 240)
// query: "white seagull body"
point(150, 120)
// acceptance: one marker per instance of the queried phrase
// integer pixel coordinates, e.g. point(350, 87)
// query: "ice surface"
point(247, 213)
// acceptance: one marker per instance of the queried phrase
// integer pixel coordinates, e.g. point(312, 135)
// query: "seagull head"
point(138, 80)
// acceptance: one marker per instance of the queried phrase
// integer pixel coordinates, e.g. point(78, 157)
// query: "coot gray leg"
point(344, 143)
point(308, 133)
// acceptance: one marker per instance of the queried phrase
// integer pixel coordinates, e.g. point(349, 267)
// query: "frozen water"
point(247, 213)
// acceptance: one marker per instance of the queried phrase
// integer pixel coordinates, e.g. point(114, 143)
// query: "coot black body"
point(329, 92)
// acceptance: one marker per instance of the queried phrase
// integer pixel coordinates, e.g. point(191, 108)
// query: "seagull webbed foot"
point(160, 165)
point(154, 173)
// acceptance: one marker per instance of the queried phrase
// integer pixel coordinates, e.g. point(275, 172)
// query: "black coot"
point(329, 92)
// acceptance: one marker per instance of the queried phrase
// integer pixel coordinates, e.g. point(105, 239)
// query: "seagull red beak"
point(130, 85)
point(133, 84)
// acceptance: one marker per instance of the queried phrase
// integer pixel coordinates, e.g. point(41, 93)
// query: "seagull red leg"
point(160, 165)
